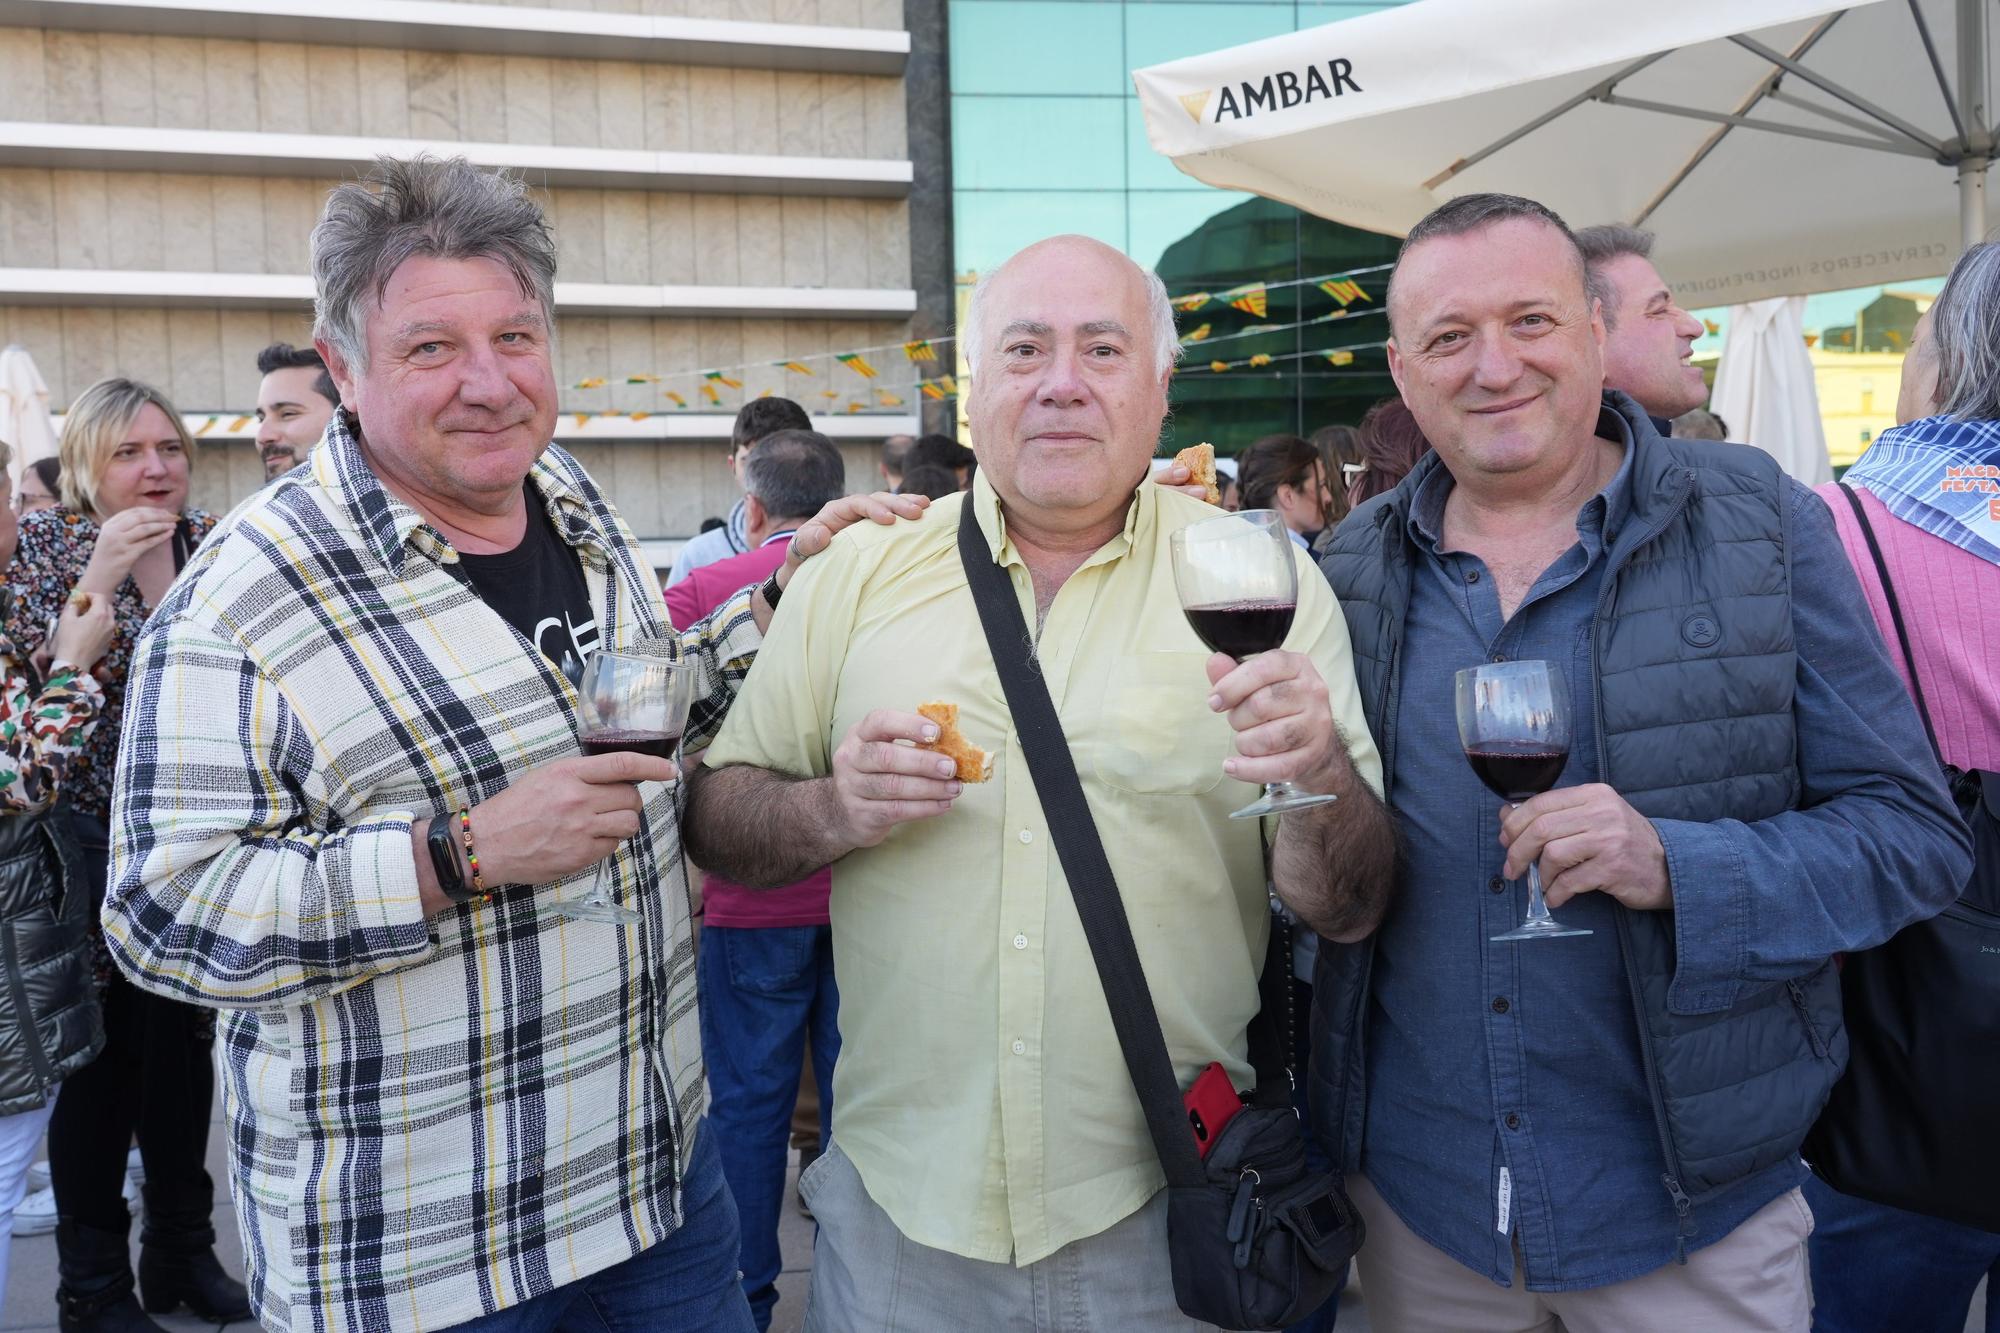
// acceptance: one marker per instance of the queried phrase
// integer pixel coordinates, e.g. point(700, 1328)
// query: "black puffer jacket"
point(49, 1021)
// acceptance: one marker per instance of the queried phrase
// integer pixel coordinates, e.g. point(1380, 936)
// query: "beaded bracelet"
point(479, 889)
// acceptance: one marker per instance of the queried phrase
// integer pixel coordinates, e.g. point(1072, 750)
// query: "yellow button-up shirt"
point(980, 1090)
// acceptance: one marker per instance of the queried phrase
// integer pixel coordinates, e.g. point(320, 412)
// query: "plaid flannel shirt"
point(429, 1120)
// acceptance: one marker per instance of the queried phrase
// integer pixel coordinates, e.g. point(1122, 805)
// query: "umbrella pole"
point(1971, 202)
point(1978, 141)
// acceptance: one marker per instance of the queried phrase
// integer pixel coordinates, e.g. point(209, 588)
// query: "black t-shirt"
point(538, 588)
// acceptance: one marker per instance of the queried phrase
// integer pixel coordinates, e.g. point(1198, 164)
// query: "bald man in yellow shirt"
point(990, 1165)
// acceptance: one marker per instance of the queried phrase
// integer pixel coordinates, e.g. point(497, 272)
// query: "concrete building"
point(730, 182)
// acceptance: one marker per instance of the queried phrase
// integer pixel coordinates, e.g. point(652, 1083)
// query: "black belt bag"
point(1256, 1239)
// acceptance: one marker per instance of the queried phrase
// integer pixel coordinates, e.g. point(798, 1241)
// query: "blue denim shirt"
point(1506, 1093)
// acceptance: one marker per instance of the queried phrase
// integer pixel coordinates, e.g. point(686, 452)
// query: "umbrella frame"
point(1879, 130)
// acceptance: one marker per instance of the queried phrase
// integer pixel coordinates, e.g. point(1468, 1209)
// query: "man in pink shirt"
point(766, 956)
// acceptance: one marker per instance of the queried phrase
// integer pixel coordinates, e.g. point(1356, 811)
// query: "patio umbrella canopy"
point(24, 413)
point(1777, 147)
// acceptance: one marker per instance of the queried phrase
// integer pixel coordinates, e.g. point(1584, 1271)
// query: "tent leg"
point(1971, 202)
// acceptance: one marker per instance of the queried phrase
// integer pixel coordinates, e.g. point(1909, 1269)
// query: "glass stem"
point(1538, 908)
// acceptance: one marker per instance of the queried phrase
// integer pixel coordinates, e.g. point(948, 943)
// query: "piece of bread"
point(1200, 461)
point(974, 764)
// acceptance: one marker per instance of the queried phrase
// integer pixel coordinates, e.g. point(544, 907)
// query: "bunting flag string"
point(1338, 356)
point(1253, 299)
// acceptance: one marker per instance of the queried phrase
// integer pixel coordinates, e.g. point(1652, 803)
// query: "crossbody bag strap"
point(1895, 614)
point(1098, 905)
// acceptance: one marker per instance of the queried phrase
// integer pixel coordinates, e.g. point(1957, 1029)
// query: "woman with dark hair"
point(41, 485)
point(1284, 472)
point(1391, 442)
point(1340, 454)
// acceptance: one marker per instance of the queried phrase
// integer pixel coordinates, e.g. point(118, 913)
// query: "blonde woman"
point(121, 533)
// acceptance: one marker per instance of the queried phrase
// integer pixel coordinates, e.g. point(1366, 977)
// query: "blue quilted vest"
point(1695, 671)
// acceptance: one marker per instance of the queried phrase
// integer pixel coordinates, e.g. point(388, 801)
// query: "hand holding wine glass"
point(634, 701)
point(1513, 722)
point(1239, 587)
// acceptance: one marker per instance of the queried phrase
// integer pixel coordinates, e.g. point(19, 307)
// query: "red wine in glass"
point(658, 744)
point(1517, 770)
point(1243, 629)
point(1238, 581)
point(1513, 725)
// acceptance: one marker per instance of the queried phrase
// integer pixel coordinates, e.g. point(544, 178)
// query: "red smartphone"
point(1211, 1102)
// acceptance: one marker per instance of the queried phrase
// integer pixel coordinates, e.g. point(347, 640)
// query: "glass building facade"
point(1047, 136)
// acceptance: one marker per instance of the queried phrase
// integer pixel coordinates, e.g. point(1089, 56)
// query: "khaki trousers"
point(1754, 1280)
point(868, 1277)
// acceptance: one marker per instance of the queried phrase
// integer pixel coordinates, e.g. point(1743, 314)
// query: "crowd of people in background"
point(312, 770)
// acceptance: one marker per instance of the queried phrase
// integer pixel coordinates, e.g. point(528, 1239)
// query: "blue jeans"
point(762, 990)
point(687, 1280)
point(1875, 1267)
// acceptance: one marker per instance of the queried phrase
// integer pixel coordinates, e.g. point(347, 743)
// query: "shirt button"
point(1027, 835)
point(1496, 885)
point(1020, 1047)
point(1020, 941)
point(1472, 576)
point(1500, 1005)
point(1513, 1120)
point(1499, 657)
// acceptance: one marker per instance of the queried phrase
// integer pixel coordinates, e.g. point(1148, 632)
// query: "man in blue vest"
point(1603, 1128)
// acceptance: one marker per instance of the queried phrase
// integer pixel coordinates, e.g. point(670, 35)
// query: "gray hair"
point(1965, 326)
point(973, 333)
point(1476, 212)
point(421, 207)
point(794, 473)
point(1602, 244)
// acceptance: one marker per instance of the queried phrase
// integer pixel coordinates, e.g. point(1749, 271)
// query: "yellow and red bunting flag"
point(1343, 357)
point(852, 408)
point(1811, 339)
point(642, 379)
point(595, 382)
point(1196, 335)
point(582, 420)
point(829, 393)
point(1218, 366)
point(1251, 300)
point(238, 424)
point(920, 350)
point(717, 377)
point(857, 363)
point(767, 393)
point(640, 416)
point(796, 367)
point(1345, 290)
point(207, 426)
point(1261, 359)
point(1191, 303)
point(950, 384)
point(886, 399)
point(708, 392)
point(1712, 327)
point(675, 398)
point(932, 390)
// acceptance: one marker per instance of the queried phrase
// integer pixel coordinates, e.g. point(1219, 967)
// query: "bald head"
point(1073, 255)
point(1071, 345)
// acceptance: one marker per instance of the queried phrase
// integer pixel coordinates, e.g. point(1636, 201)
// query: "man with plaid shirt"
point(445, 1109)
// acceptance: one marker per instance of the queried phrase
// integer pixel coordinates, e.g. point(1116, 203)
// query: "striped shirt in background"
point(429, 1119)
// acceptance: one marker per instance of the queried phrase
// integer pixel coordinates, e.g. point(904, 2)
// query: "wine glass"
point(633, 699)
point(1239, 586)
point(1513, 720)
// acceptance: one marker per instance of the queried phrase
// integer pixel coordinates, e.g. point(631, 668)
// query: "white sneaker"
point(37, 1214)
point(135, 1168)
point(38, 1177)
